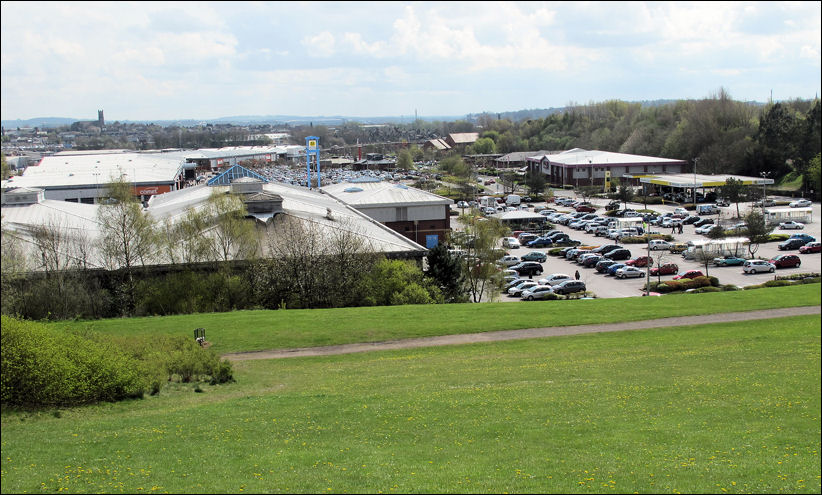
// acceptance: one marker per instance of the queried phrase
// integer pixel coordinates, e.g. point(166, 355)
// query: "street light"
point(694, 189)
point(764, 175)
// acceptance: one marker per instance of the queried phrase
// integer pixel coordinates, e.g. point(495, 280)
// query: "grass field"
point(259, 330)
point(731, 407)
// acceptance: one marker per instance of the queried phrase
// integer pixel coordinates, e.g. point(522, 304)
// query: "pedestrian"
point(680, 228)
point(576, 275)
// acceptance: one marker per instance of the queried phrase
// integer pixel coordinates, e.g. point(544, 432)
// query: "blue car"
point(613, 268)
point(541, 242)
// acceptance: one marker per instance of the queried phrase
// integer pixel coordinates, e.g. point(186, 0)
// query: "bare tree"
point(233, 235)
point(480, 243)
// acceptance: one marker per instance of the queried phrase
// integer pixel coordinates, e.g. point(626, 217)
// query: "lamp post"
point(764, 176)
point(694, 189)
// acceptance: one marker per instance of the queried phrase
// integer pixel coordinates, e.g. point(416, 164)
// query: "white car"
point(537, 292)
point(517, 290)
point(659, 244)
point(791, 225)
point(554, 279)
point(630, 272)
point(757, 266)
point(510, 243)
point(799, 203)
point(509, 260)
point(705, 228)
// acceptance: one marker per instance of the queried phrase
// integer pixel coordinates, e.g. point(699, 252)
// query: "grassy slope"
point(258, 330)
point(725, 407)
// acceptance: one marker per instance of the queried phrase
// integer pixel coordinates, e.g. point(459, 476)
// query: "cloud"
point(321, 45)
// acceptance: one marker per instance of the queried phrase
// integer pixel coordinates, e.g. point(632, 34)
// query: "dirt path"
point(528, 333)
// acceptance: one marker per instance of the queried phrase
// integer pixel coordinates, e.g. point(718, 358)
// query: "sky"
point(203, 60)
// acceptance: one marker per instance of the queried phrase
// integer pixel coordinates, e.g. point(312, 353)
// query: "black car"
point(691, 220)
point(703, 221)
point(527, 268)
point(604, 249)
point(569, 287)
point(603, 265)
point(591, 261)
point(792, 243)
point(613, 205)
point(619, 254)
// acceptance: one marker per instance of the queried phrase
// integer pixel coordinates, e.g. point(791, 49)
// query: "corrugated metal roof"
point(578, 156)
point(374, 194)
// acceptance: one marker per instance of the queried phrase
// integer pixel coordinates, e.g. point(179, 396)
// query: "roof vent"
point(352, 189)
point(401, 186)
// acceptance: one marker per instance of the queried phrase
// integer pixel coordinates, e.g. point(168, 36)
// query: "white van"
point(707, 210)
point(513, 200)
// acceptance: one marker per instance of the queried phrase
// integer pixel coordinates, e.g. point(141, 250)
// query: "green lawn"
point(716, 408)
point(258, 330)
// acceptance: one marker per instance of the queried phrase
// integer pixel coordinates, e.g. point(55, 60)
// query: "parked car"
point(590, 260)
point(613, 268)
point(703, 221)
point(554, 279)
point(613, 205)
point(528, 268)
point(640, 261)
point(603, 265)
point(588, 208)
point(510, 243)
point(538, 292)
point(729, 261)
point(659, 244)
point(811, 247)
point(665, 269)
point(690, 220)
point(791, 225)
point(678, 248)
point(800, 203)
point(569, 287)
point(801, 235)
point(706, 228)
point(541, 242)
point(537, 256)
point(516, 290)
point(526, 237)
point(630, 272)
point(785, 261)
point(792, 243)
point(605, 248)
point(757, 266)
point(764, 202)
point(619, 254)
point(688, 274)
point(508, 260)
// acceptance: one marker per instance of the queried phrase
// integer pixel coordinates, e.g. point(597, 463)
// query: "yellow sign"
point(607, 180)
point(312, 143)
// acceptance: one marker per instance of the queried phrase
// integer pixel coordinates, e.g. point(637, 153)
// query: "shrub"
point(41, 367)
point(554, 252)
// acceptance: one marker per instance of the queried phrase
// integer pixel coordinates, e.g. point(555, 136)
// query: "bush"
point(46, 367)
point(554, 252)
point(41, 367)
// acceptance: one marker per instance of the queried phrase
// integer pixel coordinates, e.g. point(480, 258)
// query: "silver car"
point(757, 266)
point(537, 292)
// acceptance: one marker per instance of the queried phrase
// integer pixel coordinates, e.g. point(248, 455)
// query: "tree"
point(446, 271)
point(404, 161)
point(757, 230)
point(233, 236)
point(127, 236)
point(508, 179)
point(585, 192)
point(480, 243)
point(813, 176)
point(5, 170)
point(396, 282)
point(484, 146)
point(535, 181)
point(625, 193)
point(733, 192)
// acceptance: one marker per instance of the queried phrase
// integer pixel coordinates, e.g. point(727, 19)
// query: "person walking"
point(680, 228)
point(576, 275)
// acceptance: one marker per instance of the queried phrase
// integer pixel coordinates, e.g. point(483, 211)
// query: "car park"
point(729, 261)
point(528, 268)
point(659, 244)
point(537, 292)
point(688, 274)
point(569, 287)
point(792, 243)
point(800, 203)
point(785, 261)
point(640, 261)
point(629, 272)
point(811, 247)
point(757, 266)
point(665, 269)
point(791, 225)
point(554, 279)
point(619, 254)
point(516, 290)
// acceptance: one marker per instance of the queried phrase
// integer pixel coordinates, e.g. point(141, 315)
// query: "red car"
point(666, 269)
point(811, 247)
point(689, 274)
point(640, 262)
point(785, 261)
point(585, 208)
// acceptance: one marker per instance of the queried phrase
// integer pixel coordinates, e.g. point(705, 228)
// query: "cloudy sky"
point(170, 60)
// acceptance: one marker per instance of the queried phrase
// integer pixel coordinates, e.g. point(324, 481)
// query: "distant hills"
point(516, 116)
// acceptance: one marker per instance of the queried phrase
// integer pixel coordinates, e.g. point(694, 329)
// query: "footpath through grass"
point(704, 409)
point(259, 330)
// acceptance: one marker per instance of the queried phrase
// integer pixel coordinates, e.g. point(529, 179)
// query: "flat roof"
point(578, 157)
point(377, 194)
point(698, 180)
